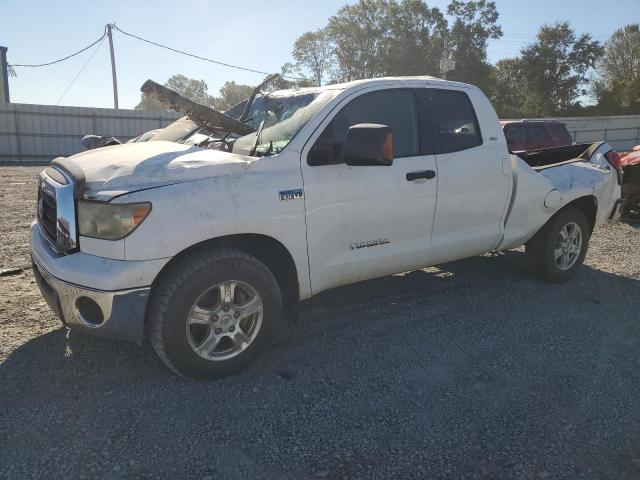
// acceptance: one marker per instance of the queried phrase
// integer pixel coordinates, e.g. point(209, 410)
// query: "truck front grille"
point(57, 210)
point(48, 213)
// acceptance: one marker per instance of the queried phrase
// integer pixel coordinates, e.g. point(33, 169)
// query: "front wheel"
point(213, 313)
point(559, 248)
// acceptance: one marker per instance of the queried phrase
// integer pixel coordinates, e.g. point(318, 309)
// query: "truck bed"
point(551, 157)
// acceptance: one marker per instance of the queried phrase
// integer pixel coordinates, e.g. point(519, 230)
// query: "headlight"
point(110, 221)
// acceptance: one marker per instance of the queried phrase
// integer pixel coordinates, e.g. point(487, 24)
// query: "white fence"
point(621, 132)
point(39, 133)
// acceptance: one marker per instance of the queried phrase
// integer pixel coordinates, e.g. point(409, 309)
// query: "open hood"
point(112, 171)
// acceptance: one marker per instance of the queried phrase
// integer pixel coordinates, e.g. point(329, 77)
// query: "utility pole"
point(113, 68)
point(4, 76)
point(446, 64)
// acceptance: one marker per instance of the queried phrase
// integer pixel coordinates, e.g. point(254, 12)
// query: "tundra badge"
point(296, 194)
point(368, 243)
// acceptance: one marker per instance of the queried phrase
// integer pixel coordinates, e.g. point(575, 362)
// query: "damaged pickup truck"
point(205, 244)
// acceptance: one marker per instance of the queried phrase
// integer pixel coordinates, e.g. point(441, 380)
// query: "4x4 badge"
point(296, 194)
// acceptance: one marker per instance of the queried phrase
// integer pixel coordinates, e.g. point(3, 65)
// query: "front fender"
point(190, 213)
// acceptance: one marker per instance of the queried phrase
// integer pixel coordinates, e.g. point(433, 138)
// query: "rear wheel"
point(559, 248)
point(213, 313)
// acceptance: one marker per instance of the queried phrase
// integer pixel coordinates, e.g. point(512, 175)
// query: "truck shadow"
point(429, 295)
point(403, 360)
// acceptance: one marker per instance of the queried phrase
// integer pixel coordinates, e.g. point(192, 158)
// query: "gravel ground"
point(468, 370)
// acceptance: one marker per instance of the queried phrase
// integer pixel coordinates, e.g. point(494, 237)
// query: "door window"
point(395, 108)
point(455, 123)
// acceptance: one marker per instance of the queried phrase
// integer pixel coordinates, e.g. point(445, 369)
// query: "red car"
point(523, 135)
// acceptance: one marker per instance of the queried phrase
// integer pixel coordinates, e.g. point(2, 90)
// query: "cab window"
point(395, 108)
point(455, 125)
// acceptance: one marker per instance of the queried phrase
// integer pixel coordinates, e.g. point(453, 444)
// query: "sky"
point(251, 33)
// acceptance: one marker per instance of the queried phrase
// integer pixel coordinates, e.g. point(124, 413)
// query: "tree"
point(373, 38)
point(555, 68)
point(474, 23)
point(313, 51)
point(509, 88)
point(617, 82)
point(357, 32)
point(231, 93)
point(415, 39)
point(195, 90)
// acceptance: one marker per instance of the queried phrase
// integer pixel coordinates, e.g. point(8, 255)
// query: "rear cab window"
point(536, 134)
point(454, 123)
point(560, 134)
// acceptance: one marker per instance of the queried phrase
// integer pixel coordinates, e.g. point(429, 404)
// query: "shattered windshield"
point(281, 117)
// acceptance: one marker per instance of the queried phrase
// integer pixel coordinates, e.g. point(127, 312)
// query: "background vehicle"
point(206, 245)
point(535, 134)
point(630, 165)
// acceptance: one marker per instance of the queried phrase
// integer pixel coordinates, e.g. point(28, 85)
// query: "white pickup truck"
point(205, 246)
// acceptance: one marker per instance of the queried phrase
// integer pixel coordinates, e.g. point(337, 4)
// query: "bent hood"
point(113, 171)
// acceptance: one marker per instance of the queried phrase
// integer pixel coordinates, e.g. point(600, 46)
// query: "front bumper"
point(93, 306)
point(117, 314)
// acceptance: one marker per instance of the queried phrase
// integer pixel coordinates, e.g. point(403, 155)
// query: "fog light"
point(89, 311)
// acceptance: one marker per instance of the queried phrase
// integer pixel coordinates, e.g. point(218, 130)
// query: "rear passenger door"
point(474, 174)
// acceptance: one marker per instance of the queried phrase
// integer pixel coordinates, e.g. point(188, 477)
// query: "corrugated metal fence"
point(39, 133)
point(621, 132)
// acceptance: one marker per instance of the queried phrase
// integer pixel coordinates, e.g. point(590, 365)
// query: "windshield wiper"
point(257, 142)
point(269, 150)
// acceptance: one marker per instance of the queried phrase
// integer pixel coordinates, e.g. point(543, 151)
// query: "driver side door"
point(369, 221)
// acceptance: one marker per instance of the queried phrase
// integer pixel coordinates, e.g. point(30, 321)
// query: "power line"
point(217, 62)
point(61, 59)
point(81, 70)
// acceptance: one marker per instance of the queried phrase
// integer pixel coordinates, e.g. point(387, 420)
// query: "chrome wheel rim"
point(568, 246)
point(224, 320)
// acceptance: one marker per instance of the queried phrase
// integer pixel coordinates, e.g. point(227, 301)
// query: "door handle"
point(428, 174)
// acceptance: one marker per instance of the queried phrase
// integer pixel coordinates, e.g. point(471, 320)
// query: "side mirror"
point(368, 144)
point(97, 141)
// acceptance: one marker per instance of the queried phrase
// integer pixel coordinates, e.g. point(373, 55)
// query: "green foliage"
point(195, 90)
point(474, 23)
point(549, 76)
point(415, 32)
point(617, 82)
point(509, 88)
point(231, 93)
point(357, 32)
point(555, 68)
point(374, 38)
point(312, 50)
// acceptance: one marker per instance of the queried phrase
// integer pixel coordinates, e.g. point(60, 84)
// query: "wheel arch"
point(587, 204)
point(267, 249)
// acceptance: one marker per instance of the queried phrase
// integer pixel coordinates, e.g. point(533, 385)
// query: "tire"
point(209, 296)
point(543, 249)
